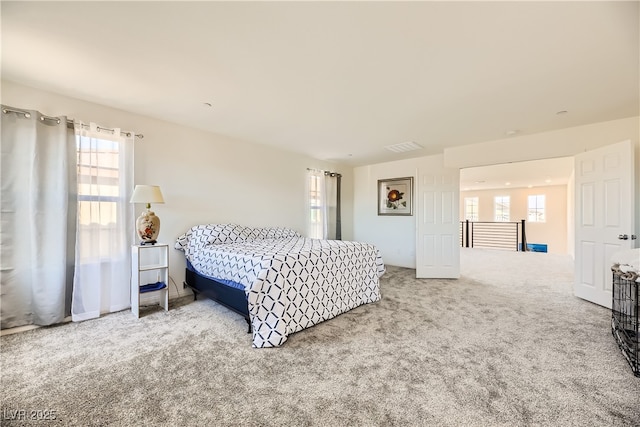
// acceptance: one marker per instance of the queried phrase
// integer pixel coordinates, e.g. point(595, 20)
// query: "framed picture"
point(395, 196)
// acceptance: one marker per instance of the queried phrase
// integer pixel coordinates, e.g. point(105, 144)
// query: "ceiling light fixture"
point(403, 147)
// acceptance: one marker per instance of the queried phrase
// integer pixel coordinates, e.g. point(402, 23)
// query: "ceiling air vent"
point(403, 147)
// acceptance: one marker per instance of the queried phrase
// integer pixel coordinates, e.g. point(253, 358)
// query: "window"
point(502, 204)
point(316, 208)
point(105, 178)
point(98, 181)
point(323, 190)
point(536, 208)
point(105, 220)
point(471, 208)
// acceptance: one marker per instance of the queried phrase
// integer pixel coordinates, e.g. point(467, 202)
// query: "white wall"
point(212, 178)
point(546, 145)
point(571, 215)
point(395, 236)
point(204, 177)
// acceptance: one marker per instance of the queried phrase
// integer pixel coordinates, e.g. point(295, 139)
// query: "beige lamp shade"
point(147, 224)
point(147, 194)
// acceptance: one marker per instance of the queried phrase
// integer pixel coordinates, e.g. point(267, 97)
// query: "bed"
point(278, 280)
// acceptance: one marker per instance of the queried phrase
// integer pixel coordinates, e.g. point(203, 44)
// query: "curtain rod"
point(325, 172)
point(43, 117)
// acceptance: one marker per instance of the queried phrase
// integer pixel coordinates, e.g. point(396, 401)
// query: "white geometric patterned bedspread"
point(293, 283)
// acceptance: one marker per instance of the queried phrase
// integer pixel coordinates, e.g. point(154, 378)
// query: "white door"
point(604, 215)
point(438, 225)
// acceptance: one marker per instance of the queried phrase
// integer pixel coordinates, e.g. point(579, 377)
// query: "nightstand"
point(149, 274)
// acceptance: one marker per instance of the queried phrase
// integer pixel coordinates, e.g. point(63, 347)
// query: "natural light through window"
point(502, 206)
point(98, 181)
point(316, 221)
point(103, 179)
point(536, 208)
point(471, 208)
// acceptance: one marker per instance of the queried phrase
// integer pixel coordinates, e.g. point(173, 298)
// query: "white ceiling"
point(532, 174)
point(337, 80)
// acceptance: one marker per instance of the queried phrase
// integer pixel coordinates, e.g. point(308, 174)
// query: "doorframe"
point(569, 202)
point(526, 155)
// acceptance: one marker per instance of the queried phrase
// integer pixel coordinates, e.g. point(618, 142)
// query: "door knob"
point(623, 237)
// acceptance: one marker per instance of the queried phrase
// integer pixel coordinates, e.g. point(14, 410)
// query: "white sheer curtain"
point(323, 190)
point(316, 223)
point(105, 222)
point(38, 217)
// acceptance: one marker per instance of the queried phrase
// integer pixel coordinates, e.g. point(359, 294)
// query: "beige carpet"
point(512, 348)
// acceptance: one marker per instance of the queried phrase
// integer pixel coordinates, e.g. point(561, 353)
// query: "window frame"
point(316, 208)
point(476, 213)
point(539, 213)
point(499, 216)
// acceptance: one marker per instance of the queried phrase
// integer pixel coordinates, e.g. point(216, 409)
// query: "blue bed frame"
point(233, 298)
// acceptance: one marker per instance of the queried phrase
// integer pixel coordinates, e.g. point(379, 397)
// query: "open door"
point(604, 196)
point(438, 225)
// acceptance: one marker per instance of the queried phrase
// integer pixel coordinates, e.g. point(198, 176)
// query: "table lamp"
point(147, 224)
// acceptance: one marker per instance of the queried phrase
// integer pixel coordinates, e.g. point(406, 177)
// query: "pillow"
point(258, 234)
point(199, 236)
point(227, 233)
point(273, 233)
point(282, 233)
point(182, 241)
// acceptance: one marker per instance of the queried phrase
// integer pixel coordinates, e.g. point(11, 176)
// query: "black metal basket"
point(624, 317)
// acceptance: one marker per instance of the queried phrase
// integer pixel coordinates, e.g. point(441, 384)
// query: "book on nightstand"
point(152, 287)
